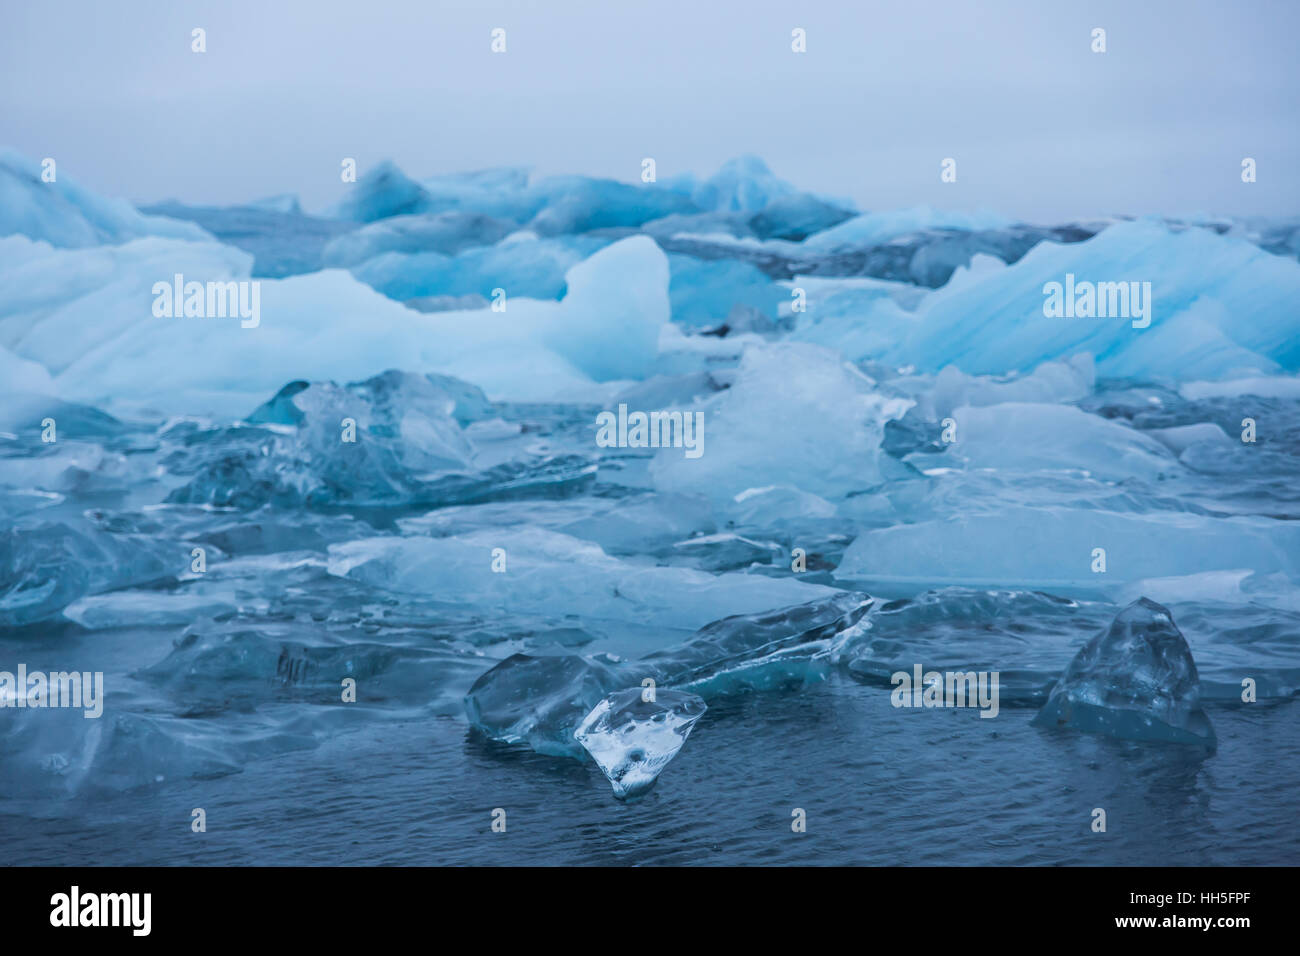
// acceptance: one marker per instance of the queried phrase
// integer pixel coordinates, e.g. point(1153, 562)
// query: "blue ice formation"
point(66, 215)
point(282, 240)
point(45, 565)
point(1136, 681)
point(395, 471)
point(1201, 284)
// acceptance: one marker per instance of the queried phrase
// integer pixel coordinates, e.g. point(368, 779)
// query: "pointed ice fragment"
point(632, 739)
point(1136, 681)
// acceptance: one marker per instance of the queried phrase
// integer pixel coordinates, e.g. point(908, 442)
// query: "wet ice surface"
point(205, 533)
point(1137, 680)
point(632, 736)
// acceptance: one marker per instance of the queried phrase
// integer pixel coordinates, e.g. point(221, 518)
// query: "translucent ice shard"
point(46, 565)
point(632, 739)
point(538, 700)
point(1136, 681)
point(541, 701)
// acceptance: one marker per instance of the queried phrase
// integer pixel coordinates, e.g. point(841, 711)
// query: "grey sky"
point(1041, 127)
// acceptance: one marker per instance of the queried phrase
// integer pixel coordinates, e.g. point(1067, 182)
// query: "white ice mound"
point(796, 415)
point(67, 215)
point(87, 317)
point(1052, 549)
point(551, 573)
point(1219, 306)
point(1136, 680)
point(632, 739)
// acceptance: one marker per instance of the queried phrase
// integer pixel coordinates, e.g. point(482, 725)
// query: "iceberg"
point(633, 739)
point(1201, 283)
point(522, 264)
point(446, 233)
point(789, 404)
point(67, 215)
point(1136, 681)
point(282, 240)
point(743, 184)
point(704, 292)
point(85, 315)
point(380, 192)
point(576, 204)
point(796, 217)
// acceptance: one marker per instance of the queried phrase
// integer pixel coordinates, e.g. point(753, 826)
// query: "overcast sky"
point(1041, 127)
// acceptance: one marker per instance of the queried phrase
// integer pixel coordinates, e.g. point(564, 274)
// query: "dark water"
point(880, 785)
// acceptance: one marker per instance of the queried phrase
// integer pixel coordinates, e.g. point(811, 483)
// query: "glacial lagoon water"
point(364, 579)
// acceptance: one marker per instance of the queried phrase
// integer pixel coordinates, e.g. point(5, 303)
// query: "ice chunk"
point(742, 184)
point(796, 217)
point(642, 523)
point(446, 303)
point(446, 233)
point(703, 292)
point(788, 405)
point(64, 214)
point(1052, 549)
point(1283, 386)
point(46, 565)
point(1179, 438)
point(1137, 680)
point(551, 573)
point(86, 316)
point(1064, 380)
point(59, 306)
point(282, 202)
point(381, 192)
point(873, 229)
point(525, 266)
point(1019, 436)
point(580, 204)
point(542, 700)
point(1201, 283)
point(283, 242)
point(404, 436)
point(633, 739)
